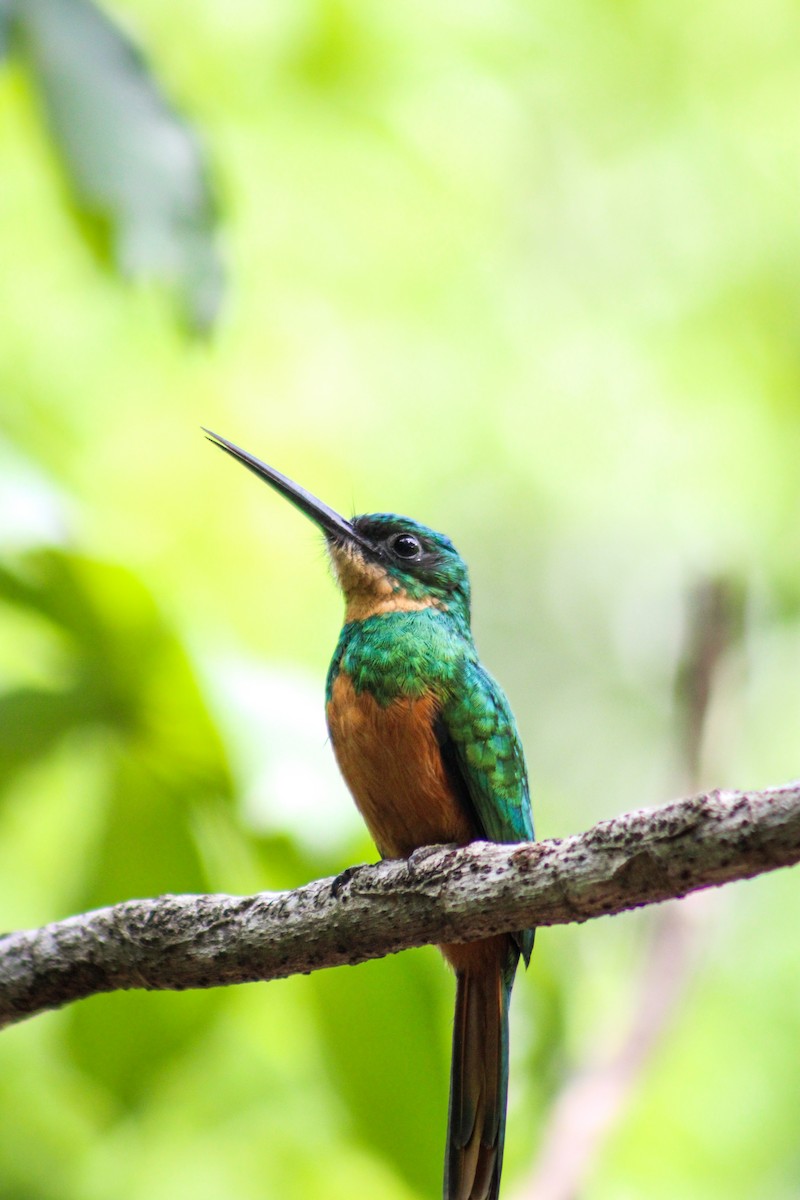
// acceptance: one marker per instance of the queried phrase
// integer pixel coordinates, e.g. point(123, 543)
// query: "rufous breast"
point(392, 763)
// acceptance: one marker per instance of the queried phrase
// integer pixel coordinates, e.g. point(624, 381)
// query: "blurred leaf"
point(339, 48)
point(136, 168)
point(545, 1010)
point(126, 1041)
point(32, 722)
point(5, 13)
point(147, 846)
point(382, 1028)
point(131, 683)
point(126, 667)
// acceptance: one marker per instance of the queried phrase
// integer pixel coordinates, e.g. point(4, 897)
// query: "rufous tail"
point(479, 1075)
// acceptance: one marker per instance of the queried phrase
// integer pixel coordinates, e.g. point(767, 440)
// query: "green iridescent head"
point(384, 563)
point(420, 560)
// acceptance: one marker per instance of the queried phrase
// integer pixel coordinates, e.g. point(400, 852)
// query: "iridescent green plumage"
point(412, 653)
point(427, 743)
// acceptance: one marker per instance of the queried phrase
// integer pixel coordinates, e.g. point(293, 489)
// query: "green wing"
point(481, 747)
point(485, 746)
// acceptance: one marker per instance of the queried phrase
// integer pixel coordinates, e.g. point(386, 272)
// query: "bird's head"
point(384, 563)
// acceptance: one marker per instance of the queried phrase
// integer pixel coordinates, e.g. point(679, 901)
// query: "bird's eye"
point(405, 545)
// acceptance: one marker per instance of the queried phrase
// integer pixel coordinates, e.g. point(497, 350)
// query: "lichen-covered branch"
point(444, 894)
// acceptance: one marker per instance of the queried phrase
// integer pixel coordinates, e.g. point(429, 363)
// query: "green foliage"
point(124, 681)
point(122, 672)
point(137, 176)
point(526, 273)
point(382, 1033)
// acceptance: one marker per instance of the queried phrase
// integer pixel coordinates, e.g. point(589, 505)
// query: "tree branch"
point(442, 894)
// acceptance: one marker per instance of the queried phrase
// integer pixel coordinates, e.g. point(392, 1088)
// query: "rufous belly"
point(391, 762)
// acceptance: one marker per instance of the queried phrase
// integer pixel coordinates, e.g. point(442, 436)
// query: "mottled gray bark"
point(440, 895)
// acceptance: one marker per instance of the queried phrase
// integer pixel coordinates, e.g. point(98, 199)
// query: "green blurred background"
point(528, 272)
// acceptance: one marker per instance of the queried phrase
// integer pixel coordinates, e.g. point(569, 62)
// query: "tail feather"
point(479, 1078)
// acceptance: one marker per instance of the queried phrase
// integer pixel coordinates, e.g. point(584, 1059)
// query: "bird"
point(428, 746)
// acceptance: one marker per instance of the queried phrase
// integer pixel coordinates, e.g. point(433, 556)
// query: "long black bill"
point(333, 525)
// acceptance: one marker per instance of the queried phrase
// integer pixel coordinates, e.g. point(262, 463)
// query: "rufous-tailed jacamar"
point(427, 744)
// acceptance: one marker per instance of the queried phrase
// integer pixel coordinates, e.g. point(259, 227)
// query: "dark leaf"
point(5, 15)
point(32, 721)
point(135, 167)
